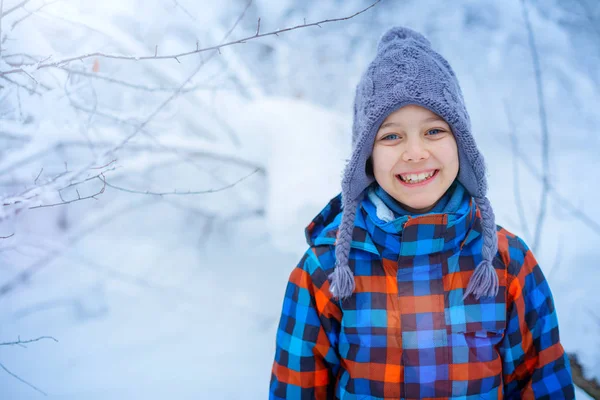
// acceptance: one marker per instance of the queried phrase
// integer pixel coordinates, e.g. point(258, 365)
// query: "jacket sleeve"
point(306, 358)
point(535, 365)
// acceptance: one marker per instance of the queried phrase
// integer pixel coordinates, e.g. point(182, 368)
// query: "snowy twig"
point(544, 127)
point(141, 127)
point(175, 192)
point(97, 221)
point(24, 198)
point(30, 13)
point(185, 151)
point(59, 63)
point(96, 75)
point(79, 198)
point(12, 82)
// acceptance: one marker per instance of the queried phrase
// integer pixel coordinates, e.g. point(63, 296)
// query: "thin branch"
point(72, 184)
point(79, 198)
point(544, 127)
point(38, 176)
point(218, 47)
point(589, 15)
point(1, 15)
point(30, 13)
point(517, 186)
point(563, 201)
point(22, 380)
point(184, 10)
point(30, 90)
point(557, 258)
point(20, 342)
point(175, 192)
point(105, 78)
point(141, 127)
point(10, 10)
point(6, 237)
point(97, 221)
point(104, 166)
point(240, 17)
point(188, 152)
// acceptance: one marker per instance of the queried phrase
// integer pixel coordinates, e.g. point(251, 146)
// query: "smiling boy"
point(409, 289)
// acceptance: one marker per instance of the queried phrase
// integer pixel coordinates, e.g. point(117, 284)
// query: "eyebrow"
point(430, 119)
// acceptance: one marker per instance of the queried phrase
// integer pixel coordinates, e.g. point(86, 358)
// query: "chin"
point(423, 205)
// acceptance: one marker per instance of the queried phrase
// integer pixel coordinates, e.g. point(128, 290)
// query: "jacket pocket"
point(475, 329)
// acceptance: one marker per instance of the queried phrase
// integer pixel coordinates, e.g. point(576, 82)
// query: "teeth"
point(416, 178)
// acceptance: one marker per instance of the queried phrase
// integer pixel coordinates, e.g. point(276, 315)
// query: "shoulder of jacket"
point(514, 252)
point(319, 262)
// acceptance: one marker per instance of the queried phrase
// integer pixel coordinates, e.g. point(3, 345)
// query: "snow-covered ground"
point(179, 296)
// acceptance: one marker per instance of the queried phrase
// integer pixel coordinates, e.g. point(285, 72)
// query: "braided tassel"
point(342, 279)
point(484, 281)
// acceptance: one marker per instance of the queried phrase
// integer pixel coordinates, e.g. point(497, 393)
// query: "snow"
point(179, 296)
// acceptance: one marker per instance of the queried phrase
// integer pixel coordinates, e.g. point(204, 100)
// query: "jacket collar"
point(407, 235)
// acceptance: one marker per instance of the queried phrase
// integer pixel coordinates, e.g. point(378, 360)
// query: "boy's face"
point(415, 157)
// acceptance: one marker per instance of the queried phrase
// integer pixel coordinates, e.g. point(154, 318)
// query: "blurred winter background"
point(154, 208)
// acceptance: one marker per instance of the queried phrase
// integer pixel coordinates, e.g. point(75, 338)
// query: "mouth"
point(421, 179)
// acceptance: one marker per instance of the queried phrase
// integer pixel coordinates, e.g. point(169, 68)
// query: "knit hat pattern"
point(406, 70)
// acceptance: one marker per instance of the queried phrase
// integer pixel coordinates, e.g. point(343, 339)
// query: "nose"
point(415, 151)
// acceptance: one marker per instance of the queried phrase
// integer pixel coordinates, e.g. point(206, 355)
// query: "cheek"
point(448, 154)
point(383, 159)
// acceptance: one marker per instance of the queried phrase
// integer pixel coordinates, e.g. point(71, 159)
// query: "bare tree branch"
point(1, 15)
point(97, 75)
point(557, 258)
point(30, 90)
point(20, 342)
point(6, 237)
point(22, 380)
point(590, 16)
point(30, 13)
point(544, 128)
point(159, 109)
point(38, 176)
point(23, 198)
point(563, 201)
point(96, 222)
point(79, 198)
point(16, 7)
point(517, 186)
point(59, 63)
point(189, 192)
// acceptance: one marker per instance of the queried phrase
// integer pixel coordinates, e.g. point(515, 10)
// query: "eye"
point(434, 132)
point(391, 136)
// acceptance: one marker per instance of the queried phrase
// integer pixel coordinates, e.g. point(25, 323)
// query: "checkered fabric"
point(407, 332)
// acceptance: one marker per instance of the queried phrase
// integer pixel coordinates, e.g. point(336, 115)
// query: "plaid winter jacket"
point(406, 332)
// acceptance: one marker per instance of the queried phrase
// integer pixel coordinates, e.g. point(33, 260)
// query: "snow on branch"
point(29, 68)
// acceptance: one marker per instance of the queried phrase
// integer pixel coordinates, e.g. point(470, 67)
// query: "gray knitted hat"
point(407, 71)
